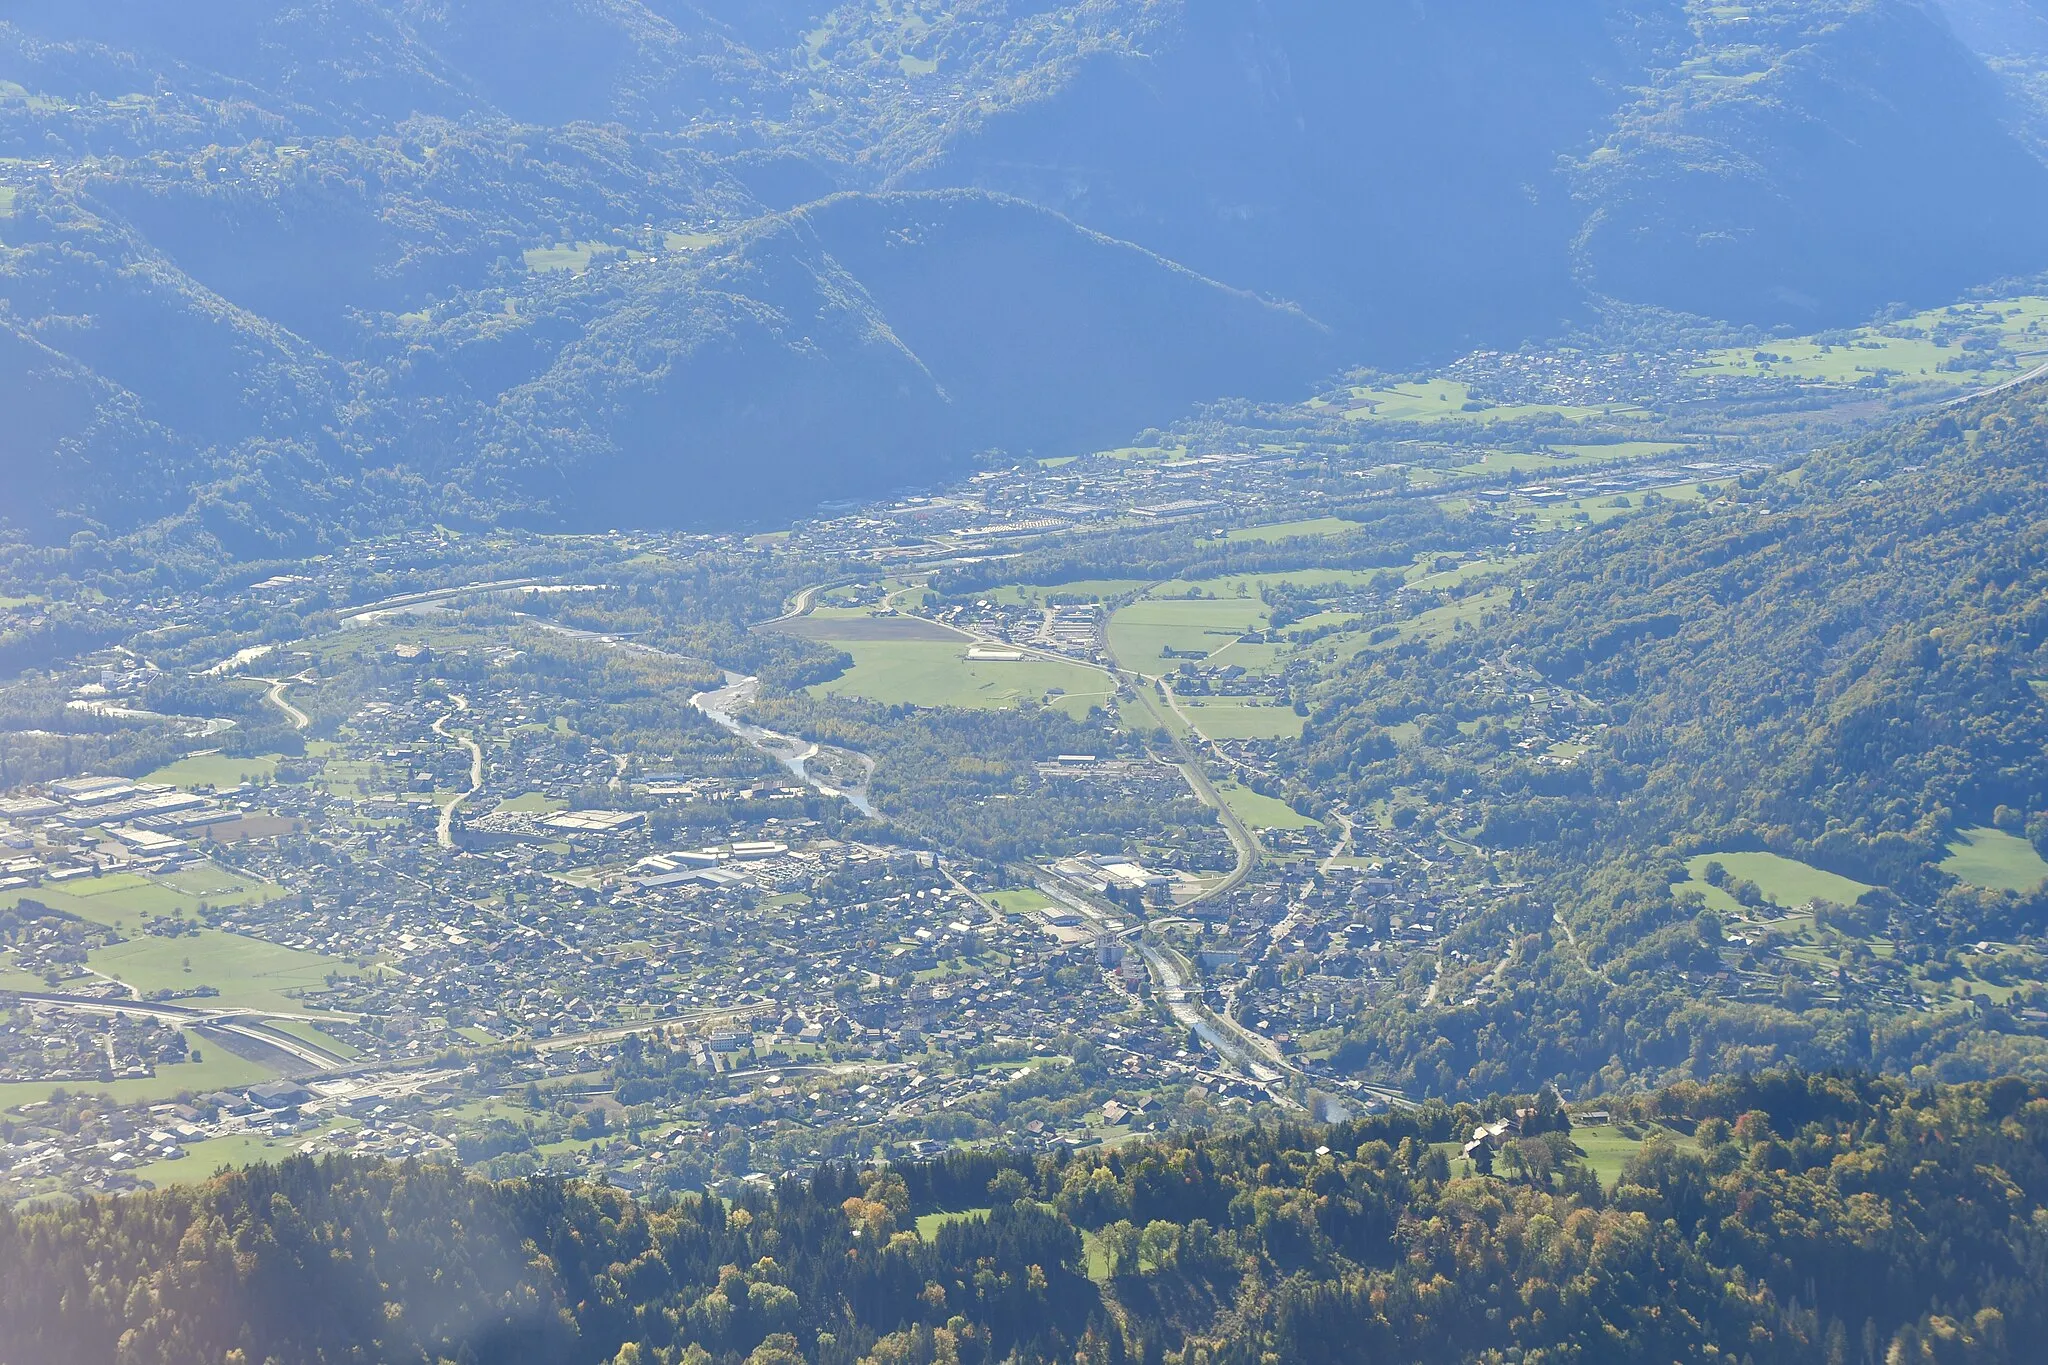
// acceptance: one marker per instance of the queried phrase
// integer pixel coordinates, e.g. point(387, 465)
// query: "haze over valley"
point(1197, 681)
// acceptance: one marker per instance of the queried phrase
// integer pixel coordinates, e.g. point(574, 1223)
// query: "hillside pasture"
point(1994, 860)
point(1784, 882)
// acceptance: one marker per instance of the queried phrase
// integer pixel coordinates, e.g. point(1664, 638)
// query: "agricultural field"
point(576, 257)
point(205, 1157)
point(1262, 812)
point(1448, 400)
point(532, 803)
point(215, 770)
point(1424, 576)
point(1079, 590)
point(1437, 623)
point(1893, 352)
point(1141, 633)
point(1018, 900)
point(217, 1069)
point(1609, 1146)
point(1784, 882)
point(128, 900)
point(935, 673)
point(841, 626)
point(1288, 530)
point(928, 1224)
point(1242, 718)
point(1601, 507)
point(1995, 860)
point(1565, 459)
point(246, 971)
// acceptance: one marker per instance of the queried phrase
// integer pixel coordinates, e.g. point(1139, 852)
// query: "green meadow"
point(1995, 860)
point(1079, 590)
point(938, 673)
point(1444, 400)
point(533, 803)
point(928, 1224)
point(215, 770)
point(217, 1069)
point(1018, 899)
point(2021, 324)
point(247, 972)
point(202, 1159)
point(1565, 459)
point(1242, 718)
point(576, 257)
point(1785, 882)
point(1141, 632)
point(126, 900)
point(1262, 812)
point(1288, 530)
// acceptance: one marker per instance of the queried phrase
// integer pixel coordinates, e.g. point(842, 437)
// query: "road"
point(2029, 377)
point(1585, 959)
point(275, 696)
point(242, 1023)
point(805, 599)
point(309, 1053)
point(444, 833)
point(430, 596)
point(1246, 844)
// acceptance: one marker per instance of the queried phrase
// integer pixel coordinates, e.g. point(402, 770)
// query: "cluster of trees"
point(1780, 1217)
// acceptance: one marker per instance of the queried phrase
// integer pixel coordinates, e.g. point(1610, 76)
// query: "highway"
point(242, 1023)
point(275, 696)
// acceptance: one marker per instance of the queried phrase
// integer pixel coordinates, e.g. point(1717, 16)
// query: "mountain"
point(1456, 175)
point(1393, 169)
point(386, 236)
point(865, 341)
point(1836, 664)
point(1808, 165)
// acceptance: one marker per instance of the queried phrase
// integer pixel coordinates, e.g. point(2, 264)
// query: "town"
point(971, 815)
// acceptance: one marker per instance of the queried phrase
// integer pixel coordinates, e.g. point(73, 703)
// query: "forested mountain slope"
point(1838, 661)
point(1839, 664)
point(259, 228)
point(1783, 1218)
point(865, 340)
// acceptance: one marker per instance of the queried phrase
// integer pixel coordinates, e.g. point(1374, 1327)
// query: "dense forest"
point(1779, 1217)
